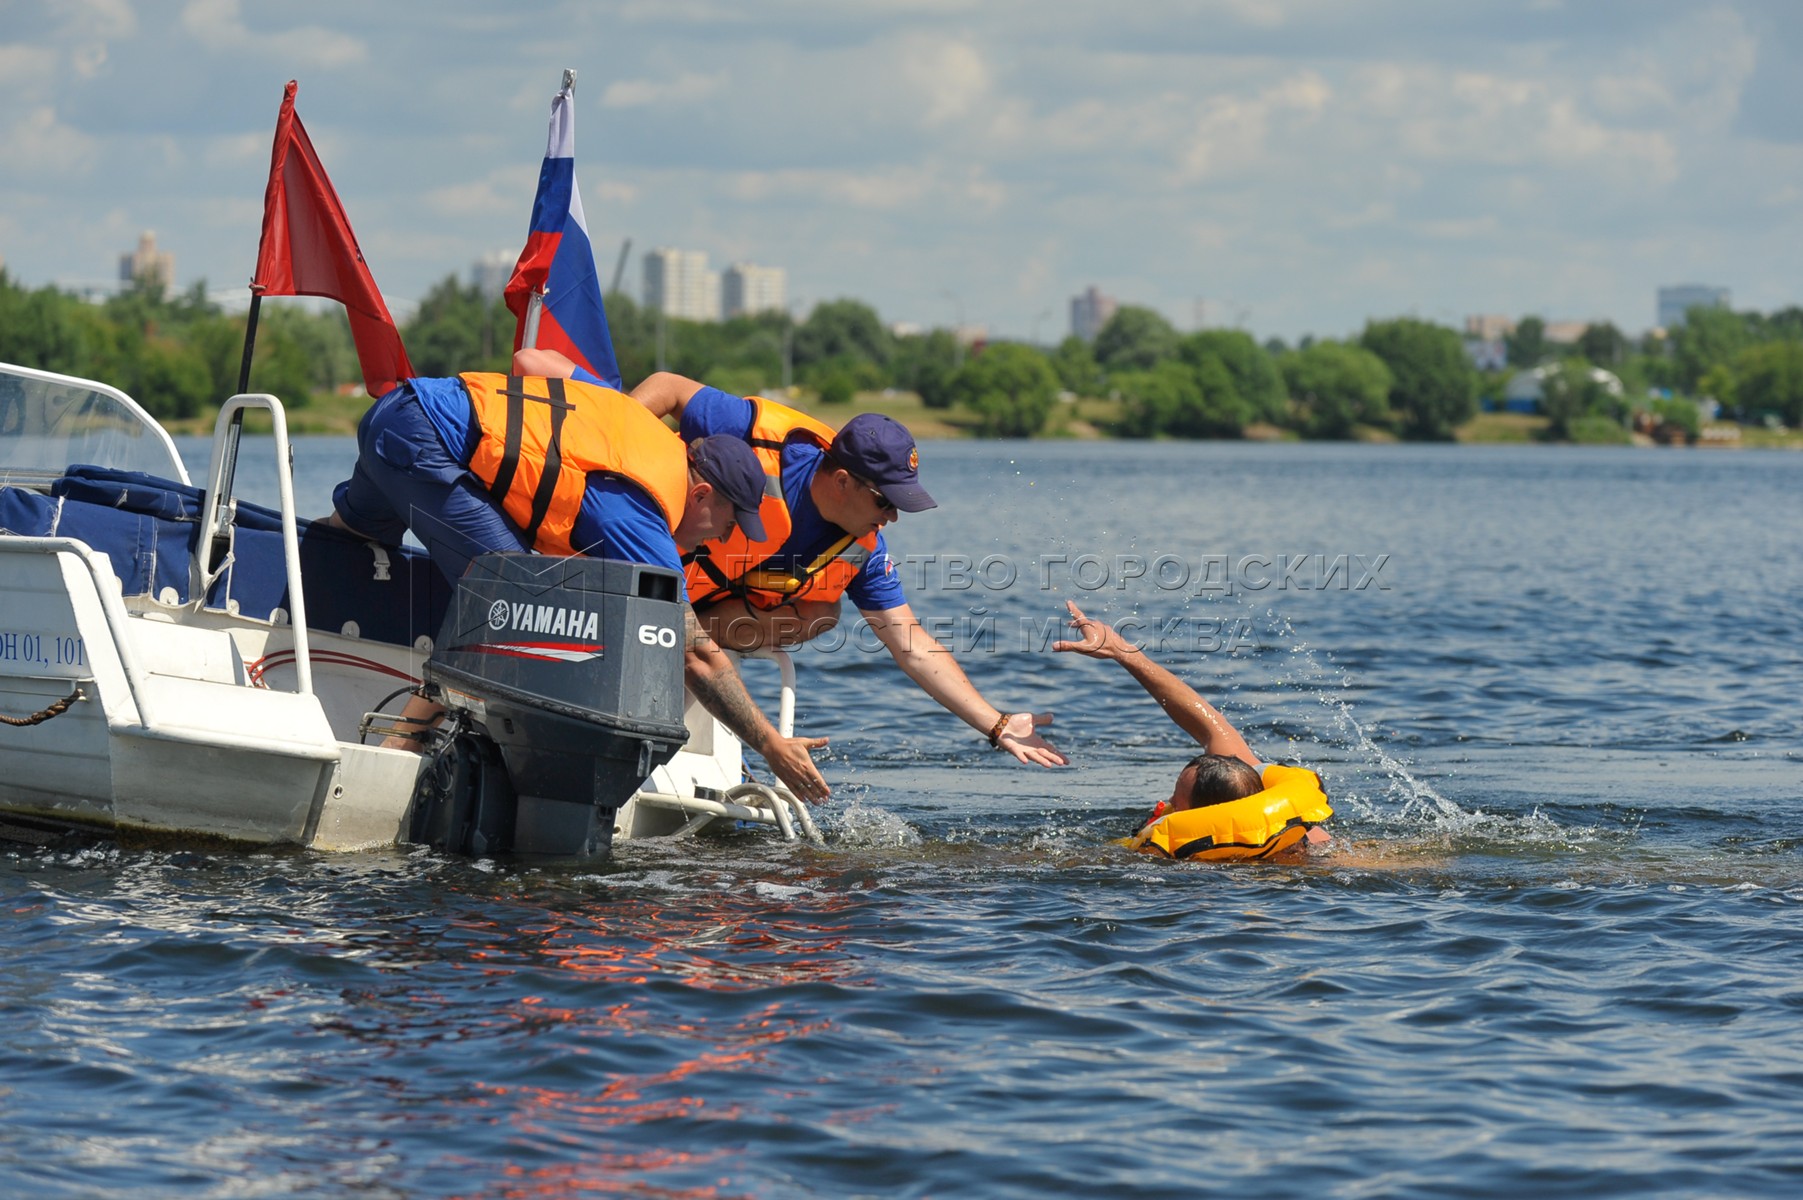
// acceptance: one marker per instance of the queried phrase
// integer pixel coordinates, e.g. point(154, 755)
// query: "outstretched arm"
point(710, 674)
point(932, 667)
point(665, 393)
point(1194, 715)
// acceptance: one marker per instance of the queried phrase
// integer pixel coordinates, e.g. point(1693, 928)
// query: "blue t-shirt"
point(617, 520)
point(876, 588)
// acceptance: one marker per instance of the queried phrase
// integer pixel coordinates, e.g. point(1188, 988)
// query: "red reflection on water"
point(541, 1116)
point(607, 1175)
point(714, 1060)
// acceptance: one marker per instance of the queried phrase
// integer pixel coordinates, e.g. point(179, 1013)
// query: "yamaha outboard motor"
point(563, 681)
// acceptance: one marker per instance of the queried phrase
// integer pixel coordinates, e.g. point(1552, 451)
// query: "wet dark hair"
point(1220, 778)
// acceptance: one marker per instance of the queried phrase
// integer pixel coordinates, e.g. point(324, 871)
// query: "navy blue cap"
point(881, 450)
point(732, 466)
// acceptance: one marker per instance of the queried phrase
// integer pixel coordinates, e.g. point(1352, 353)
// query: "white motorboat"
point(176, 662)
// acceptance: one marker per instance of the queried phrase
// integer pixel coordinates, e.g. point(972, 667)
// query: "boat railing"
point(785, 665)
point(748, 801)
point(112, 609)
point(213, 548)
point(48, 421)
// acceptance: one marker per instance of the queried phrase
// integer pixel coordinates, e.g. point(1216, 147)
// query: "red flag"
point(308, 249)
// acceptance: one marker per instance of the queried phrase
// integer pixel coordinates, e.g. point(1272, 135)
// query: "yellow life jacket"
point(1259, 826)
point(737, 566)
point(541, 438)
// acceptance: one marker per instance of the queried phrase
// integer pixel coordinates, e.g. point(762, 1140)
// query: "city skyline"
point(1292, 167)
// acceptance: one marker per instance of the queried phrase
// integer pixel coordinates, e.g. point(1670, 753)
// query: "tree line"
point(180, 355)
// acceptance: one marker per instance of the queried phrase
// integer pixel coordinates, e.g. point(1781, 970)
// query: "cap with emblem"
point(880, 449)
point(732, 466)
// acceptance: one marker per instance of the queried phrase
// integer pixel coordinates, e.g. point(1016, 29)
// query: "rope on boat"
point(55, 710)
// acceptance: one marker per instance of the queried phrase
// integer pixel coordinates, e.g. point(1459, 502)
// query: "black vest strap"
point(711, 569)
point(510, 448)
point(547, 480)
point(517, 395)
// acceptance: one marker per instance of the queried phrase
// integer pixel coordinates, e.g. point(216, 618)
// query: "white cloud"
point(503, 191)
point(950, 76)
point(689, 87)
point(38, 142)
point(25, 70)
point(104, 20)
point(219, 26)
point(235, 150)
point(887, 189)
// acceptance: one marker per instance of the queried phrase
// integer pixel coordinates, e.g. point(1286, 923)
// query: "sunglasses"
point(882, 501)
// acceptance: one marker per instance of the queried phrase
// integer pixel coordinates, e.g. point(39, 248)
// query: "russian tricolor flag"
point(558, 260)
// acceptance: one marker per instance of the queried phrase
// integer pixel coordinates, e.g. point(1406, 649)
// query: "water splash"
point(859, 824)
point(1331, 687)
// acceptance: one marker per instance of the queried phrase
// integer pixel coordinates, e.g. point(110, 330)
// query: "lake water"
point(1556, 948)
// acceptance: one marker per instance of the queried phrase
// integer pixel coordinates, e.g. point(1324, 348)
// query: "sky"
point(1286, 166)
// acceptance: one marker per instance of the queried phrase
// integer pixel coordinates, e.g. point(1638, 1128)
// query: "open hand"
point(790, 759)
point(1020, 737)
point(1096, 639)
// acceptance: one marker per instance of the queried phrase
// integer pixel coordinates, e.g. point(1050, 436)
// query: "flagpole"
point(535, 303)
point(250, 338)
point(222, 522)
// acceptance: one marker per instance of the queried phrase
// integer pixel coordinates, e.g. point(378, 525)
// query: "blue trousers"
point(405, 479)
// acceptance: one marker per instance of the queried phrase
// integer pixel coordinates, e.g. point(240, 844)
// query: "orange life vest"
point(541, 438)
point(737, 566)
point(1257, 826)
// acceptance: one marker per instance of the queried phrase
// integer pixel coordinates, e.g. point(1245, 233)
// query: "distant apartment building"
point(1567, 333)
point(1489, 327)
point(1090, 311)
point(747, 288)
point(1680, 298)
point(490, 273)
point(149, 263)
point(678, 284)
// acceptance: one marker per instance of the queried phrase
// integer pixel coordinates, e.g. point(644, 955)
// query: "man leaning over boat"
point(459, 462)
point(827, 498)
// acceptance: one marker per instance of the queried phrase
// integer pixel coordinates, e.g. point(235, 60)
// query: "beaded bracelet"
point(995, 734)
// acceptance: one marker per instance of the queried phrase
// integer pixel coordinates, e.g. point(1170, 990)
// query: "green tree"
point(634, 334)
point(1527, 345)
point(1151, 399)
point(1179, 400)
point(1604, 345)
point(924, 364)
point(219, 341)
point(1074, 362)
point(1257, 383)
point(1433, 385)
point(41, 329)
point(1769, 379)
point(837, 380)
point(1135, 339)
point(1709, 337)
point(1336, 387)
point(174, 380)
point(1571, 393)
point(1010, 387)
point(1718, 383)
point(282, 367)
point(1786, 325)
point(848, 329)
point(456, 329)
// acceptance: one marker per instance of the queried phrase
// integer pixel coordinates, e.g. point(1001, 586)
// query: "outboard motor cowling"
point(572, 669)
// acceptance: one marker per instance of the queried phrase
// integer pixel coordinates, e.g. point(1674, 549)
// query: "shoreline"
point(329, 415)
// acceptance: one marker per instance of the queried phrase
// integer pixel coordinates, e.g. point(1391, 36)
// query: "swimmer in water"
point(1226, 771)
